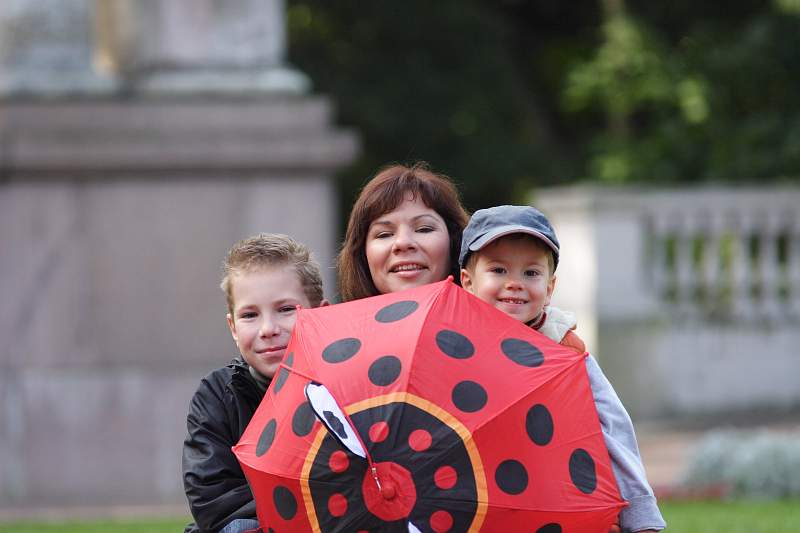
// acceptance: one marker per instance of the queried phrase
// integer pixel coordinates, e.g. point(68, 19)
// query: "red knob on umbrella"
point(388, 490)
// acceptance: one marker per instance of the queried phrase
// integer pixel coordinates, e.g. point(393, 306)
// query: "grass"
point(174, 525)
point(682, 517)
point(731, 517)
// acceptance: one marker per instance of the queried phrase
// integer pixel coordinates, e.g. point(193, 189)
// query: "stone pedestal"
point(198, 46)
point(116, 209)
point(46, 49)
point(115, 217)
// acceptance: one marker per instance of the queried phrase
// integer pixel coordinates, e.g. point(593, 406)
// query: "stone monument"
point(138, 140)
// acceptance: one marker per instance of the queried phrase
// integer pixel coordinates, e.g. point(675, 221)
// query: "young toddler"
point(508, 258)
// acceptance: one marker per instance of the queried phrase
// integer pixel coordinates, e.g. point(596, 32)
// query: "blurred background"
point(139, 139)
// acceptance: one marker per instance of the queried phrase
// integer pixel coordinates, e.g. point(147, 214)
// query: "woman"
point(404, 231)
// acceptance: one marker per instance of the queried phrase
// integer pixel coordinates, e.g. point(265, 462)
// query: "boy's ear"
point(551, 286)
point(232, 327)
point(466, 280)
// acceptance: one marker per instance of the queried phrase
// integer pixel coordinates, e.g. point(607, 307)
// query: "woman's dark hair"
point(382, 194)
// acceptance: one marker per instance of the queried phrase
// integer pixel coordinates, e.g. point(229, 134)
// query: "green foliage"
point(445, 82)
point(629, 70)
point(707, 100)
point(508, 95)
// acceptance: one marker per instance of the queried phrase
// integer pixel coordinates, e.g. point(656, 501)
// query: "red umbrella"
point(440, 414)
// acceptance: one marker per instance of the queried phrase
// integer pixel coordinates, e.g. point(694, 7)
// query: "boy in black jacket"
point(265, 278)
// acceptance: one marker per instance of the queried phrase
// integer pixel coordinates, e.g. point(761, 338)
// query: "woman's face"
point(408, 247)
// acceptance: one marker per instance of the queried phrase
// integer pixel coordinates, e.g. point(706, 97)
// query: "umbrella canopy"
point(427, 410)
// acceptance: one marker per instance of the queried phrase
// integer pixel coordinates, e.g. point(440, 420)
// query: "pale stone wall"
point(113, 313)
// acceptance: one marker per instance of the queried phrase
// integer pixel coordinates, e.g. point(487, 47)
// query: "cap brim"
point(502, 231)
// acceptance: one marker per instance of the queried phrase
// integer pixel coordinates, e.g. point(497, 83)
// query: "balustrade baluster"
point(660, 267)
point(684, 266)
point(740, 267)
point(712, 280)
point(793, 264)
point(768, 267)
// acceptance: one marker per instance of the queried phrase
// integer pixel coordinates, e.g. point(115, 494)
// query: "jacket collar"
point(241, 380)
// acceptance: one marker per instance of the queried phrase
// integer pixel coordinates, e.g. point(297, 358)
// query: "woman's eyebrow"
point(385, 222)
point(425, 215)
point(381, 223)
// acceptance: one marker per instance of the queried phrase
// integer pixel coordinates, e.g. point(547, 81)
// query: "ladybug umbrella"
point(427, 410)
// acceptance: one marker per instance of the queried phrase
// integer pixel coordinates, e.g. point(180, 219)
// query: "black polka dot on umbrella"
point(522, 352)
point(285, 502)
point(539, 424)
point(341, 350)
point(283, 374)
point(396, 311)
point(303, 420)
point(280, 380)
point(582, 471)
point(266, 438)
point(454, 344)
point(384, 370)
point(552, 527)
point(469, 396)
point(511, 477)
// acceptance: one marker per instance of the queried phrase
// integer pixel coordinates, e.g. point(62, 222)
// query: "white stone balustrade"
point(691, 298)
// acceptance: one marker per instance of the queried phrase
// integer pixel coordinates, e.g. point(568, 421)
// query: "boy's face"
point(512, 274)
point(264, 313)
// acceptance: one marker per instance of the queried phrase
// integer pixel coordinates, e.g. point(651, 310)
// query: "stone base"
point(114, 219)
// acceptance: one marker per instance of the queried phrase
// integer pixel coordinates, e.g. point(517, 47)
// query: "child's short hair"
point(268, 250)
point(472, 258)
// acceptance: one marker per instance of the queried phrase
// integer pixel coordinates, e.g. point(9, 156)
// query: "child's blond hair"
point(472, 258)
point(270, 250)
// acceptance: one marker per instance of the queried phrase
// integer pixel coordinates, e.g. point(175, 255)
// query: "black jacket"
point(218, 414)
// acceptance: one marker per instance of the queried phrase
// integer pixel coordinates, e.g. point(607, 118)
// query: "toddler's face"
point(264, 313)
point(513, 275)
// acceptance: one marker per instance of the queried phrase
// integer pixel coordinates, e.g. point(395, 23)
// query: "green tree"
point(506, 95)
point(433, 81)
point(693, 93)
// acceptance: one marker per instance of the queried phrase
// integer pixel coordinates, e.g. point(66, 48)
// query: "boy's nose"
point(513, 283)
point(269, 328)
